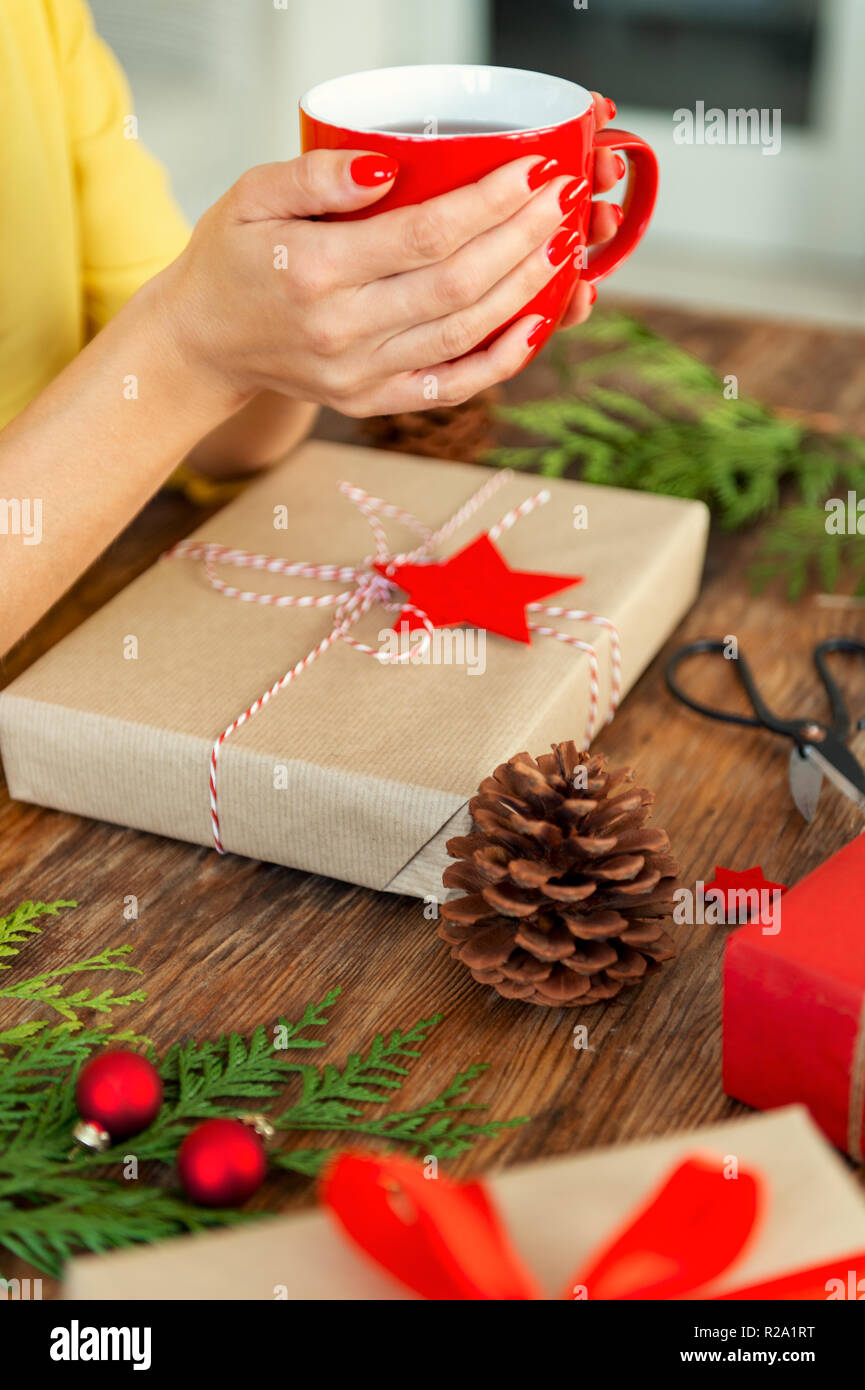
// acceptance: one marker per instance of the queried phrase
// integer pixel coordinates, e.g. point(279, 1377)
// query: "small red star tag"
point(728, 883)
point(475, 586)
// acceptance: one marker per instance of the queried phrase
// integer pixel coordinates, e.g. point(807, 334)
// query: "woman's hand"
point(359, 314)
point(606, 217)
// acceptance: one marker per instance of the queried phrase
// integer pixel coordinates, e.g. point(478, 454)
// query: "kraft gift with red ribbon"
point(794, 1002)
point(753, 1208)
point(445, 1240)
point(244, 693)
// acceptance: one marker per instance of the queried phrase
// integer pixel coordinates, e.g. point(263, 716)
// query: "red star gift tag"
point(475, 586)
point(742, 891)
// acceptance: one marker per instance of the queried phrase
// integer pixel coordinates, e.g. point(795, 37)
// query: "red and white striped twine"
point(368, 587)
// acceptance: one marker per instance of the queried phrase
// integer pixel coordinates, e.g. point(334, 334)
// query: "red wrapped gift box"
point(794, 1003)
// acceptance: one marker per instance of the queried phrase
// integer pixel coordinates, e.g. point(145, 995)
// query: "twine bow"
point(368, 586)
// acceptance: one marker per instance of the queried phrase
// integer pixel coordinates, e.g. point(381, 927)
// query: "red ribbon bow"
point(444, 1240)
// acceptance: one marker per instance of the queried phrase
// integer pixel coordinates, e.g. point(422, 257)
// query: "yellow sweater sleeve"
point(129, 225)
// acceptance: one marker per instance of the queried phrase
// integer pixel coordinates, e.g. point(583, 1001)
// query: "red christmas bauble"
point(221, 1163)
point(119, 1091)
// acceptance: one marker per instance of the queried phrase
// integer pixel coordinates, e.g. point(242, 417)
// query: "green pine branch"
point(336, 1097)
point(432, 1128)
point(20, 924)
point(16, 930)
point(54, 1202)
point(637, 411)
point(98, 1215)
point(799, 547)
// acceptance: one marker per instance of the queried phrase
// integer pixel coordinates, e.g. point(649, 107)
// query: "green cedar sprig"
point(52, 1204)
point(640, 412)
point(16, 929)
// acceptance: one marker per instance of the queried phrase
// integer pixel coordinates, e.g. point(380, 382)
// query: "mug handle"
point(638, 205)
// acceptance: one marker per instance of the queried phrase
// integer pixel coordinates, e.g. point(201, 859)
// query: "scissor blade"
point(842, 769)
point(806, 781)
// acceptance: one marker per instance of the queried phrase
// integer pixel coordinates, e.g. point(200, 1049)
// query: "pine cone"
point(566, 886)
point(460, 432)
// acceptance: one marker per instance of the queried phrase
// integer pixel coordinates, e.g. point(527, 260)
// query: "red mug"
point(405, 112)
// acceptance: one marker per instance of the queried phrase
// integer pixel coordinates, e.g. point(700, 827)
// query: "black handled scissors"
point(818, 749)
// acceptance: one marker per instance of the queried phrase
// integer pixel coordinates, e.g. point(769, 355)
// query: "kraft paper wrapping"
point(377, 761)
point(557, 1212)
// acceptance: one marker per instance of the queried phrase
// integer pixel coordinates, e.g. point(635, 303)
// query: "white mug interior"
point(434, 94)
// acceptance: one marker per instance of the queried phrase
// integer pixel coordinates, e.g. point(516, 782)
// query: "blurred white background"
point(216, 84)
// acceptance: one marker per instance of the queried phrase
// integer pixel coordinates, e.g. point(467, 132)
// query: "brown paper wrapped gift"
point(357, 770)
point(557, 1214)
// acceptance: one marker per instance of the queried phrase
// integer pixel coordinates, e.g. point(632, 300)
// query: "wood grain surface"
point(228, 943)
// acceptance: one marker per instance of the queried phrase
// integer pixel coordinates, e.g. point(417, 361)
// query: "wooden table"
point(228, 943)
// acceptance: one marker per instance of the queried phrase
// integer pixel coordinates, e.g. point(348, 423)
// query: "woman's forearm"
point(85, 456)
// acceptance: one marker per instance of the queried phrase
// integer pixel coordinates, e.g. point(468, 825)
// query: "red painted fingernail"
point(570, 193)
point(618, 214)
point(538, 332)
point(621, 166)
point(371, 170)
point(611, 109)
point(542, 172)
point(593, 294)
point(559, 246)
